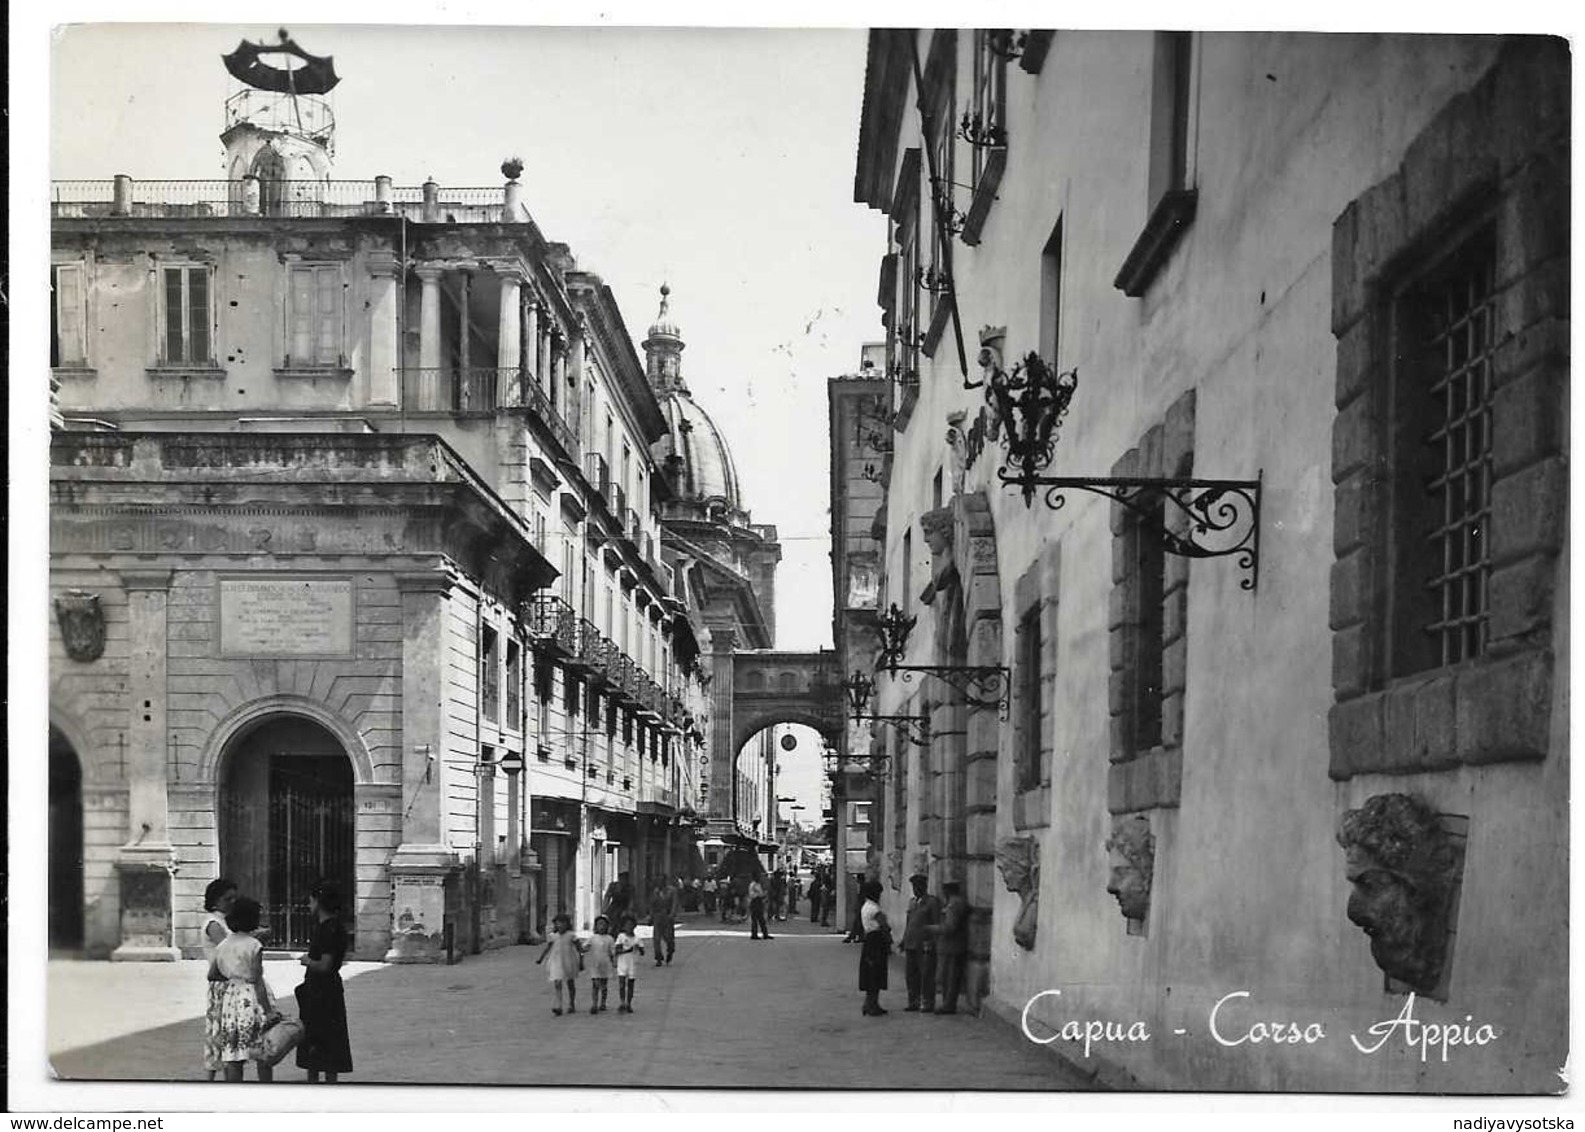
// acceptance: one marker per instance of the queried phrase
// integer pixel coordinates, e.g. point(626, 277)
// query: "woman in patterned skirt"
point(244, 1001)
point(218, 898)
point(321, 1000)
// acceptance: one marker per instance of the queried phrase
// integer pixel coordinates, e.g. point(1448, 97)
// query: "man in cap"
point(919, 945)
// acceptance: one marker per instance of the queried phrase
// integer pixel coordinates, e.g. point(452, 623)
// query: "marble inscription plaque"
point(285, 616)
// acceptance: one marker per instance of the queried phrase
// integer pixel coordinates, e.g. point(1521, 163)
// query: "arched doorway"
point(65, 846)
point(287, 821)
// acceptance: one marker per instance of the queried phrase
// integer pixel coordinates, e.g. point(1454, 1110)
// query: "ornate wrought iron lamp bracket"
point(981, 134)
point(979, 685)
point(914, 728)
point(1223, 516)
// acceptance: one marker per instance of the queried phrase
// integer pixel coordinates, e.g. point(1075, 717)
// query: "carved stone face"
point(1132, 857)
point(1400, 865)
point(1129, 886)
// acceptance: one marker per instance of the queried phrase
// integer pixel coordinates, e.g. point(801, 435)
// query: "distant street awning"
point(713, 843)
point(317, 75)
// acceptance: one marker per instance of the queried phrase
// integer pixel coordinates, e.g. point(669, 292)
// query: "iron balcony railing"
point(588, 654)
point(553, 624)
point(618, 499)
point(483, 389)
point(539, 404)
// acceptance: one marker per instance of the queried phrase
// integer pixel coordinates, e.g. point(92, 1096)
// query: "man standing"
point(919, 946)
point(816, 895)
point(663, 915)
point(952, 935)
point(778, 894)
point(756, 910)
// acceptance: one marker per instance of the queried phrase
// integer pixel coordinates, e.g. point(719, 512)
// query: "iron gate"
point(311, 838)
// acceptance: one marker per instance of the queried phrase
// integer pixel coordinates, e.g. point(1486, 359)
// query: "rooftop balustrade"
point(251, 197)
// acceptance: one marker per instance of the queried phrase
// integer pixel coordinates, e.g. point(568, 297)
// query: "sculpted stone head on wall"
point(1019, 860)
point(1402, 865)
point(1133, 864)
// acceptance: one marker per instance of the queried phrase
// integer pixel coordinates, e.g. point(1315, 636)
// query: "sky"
point(717, 160)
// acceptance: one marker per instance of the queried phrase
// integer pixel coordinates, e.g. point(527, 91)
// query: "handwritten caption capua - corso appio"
point(1234, 1021)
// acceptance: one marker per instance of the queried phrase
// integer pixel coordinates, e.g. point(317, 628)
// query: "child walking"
point(628, 948)
point(564, 951)
point(602, 961)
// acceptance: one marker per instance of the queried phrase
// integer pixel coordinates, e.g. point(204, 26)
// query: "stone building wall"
point(1250, 889)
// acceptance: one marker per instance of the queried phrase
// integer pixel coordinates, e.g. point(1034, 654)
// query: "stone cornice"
point(146, 579)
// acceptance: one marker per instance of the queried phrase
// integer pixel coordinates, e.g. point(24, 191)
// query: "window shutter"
point(328, 350)
point(302, 303)
point(69, 315)
point(198, 315)
point(174, 339)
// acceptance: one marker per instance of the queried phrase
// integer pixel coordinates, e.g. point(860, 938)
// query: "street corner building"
point(362, 560)
point(1200, 545)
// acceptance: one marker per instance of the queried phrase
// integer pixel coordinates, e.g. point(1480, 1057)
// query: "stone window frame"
point(1142, 779)
point(162, 363)
point(1035, 593)
point(1499, 149)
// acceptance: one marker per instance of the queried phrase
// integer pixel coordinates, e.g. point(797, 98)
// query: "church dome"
point(663, 326)
point(703, 470)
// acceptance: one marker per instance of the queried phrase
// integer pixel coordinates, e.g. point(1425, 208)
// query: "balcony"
point(535, 400)
point(588, 655)
point(553, 625)
point(250, 197)
point(476, 389)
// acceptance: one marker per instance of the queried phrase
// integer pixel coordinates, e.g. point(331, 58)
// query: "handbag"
point(280, 1037)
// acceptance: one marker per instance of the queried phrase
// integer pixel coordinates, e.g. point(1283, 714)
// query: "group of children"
point(605, 954)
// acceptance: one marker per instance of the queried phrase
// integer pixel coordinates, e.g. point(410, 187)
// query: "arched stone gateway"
point(286, 818)
point(771, 687)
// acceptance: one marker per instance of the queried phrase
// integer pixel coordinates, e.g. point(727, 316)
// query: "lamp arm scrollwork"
point(1223, 515)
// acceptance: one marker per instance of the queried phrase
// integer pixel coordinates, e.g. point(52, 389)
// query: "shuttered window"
point(187, 316)
point(68, 343)
point(315, 316)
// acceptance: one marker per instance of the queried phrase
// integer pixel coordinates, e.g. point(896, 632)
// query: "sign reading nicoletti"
point(285, 616)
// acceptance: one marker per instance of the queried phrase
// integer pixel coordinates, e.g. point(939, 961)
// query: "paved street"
point(727, 1012)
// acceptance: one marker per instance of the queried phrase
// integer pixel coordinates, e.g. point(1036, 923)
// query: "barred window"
point(1443, 327)
point(1028, 728)
point(1148, 579)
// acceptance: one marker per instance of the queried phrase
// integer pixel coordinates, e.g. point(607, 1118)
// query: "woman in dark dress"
point(321, 1000)
point(874, 958)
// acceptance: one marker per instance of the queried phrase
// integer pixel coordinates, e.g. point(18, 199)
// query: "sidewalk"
point(728, 1012)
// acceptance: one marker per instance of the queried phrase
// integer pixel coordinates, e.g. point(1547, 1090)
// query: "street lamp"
point(1030, 401)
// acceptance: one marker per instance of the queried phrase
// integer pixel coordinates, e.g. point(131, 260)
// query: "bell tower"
point(280, 130)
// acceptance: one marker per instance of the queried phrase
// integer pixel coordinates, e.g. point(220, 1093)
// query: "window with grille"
point(990, 99)
point(185, 316)
point(314, 316)
point(1028, 728)
point(1148, 580)
point(1443, 439)
point(68, 316)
